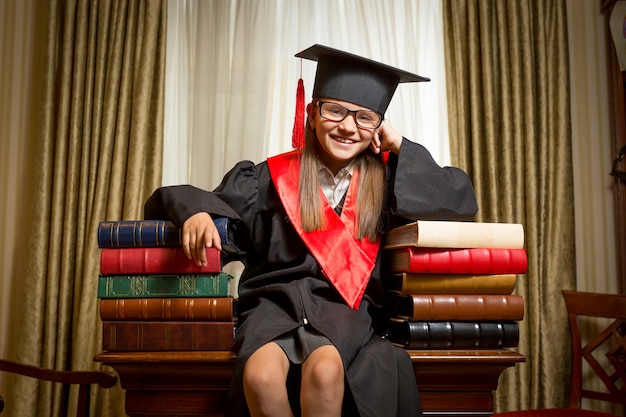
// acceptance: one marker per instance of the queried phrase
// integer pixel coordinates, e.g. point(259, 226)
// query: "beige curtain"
point(99, 146)
point(509, 117)
point(232, 75)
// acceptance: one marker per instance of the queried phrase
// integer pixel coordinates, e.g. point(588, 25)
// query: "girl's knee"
point(266, 368)
point(324, 370)
point(259, 377)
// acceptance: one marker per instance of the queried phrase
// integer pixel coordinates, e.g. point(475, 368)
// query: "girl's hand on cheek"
point(388, 138)
point(375, 143)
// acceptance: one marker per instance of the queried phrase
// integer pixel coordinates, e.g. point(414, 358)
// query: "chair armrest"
point(102, 378)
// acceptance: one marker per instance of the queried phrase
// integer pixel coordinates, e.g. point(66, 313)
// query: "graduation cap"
point(348, 77)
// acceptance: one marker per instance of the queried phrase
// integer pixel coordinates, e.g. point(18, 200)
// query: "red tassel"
point(297, 137)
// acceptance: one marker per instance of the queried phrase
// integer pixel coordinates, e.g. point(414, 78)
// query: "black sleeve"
point(421, 189)
point(233, 197)
point(178, 203)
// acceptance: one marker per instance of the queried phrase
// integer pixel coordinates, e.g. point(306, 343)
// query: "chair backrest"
point(605, 352)
point(83, 379)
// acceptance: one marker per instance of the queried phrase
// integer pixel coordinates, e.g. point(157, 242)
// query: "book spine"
point(406, 284)
point(463, 307)
point(463, 261)
point(183, 309)
point(155, 233)
point(179, 335)
point(148, 286)
point(451, 234)
point(227, 235)
point(453, 334)
point(138, 233)
point(134, 261)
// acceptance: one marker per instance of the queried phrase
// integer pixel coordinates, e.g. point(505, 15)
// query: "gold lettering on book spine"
point(187, 285)
point(140, 286)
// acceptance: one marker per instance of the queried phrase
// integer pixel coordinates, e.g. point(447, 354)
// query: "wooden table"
point(456, 383)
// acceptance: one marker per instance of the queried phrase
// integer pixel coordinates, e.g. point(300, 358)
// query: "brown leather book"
point(459, 307)
point(167, 335)
point(183, 309)
point(406, 283)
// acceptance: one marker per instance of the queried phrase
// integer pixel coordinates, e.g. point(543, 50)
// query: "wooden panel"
point(458, 370)
point(174, 402)
point(159, 384)
point(467, 403)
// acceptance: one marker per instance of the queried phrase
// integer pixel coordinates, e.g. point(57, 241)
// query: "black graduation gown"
point(283, 286)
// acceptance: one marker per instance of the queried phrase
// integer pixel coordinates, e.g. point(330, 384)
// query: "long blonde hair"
point(370, 190)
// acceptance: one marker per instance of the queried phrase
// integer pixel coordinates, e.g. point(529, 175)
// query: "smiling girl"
point(311, 221)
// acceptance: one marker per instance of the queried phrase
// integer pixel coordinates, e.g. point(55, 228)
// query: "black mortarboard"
point(362, 81)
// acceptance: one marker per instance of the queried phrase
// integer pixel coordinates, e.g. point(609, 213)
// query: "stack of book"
point(153, 298)
point(451, 284)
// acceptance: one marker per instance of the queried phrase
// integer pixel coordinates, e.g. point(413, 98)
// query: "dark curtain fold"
point(99, 140)
point(509, 121)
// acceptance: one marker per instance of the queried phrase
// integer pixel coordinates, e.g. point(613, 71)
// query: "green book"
point(136, 286)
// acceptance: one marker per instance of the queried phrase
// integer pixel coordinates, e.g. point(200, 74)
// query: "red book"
point(167, 309)
point(133, 336)
point(138, 261)
point(457, 261)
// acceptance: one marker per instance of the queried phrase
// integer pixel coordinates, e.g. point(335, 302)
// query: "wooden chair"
point(83, 379)
point(610, 343)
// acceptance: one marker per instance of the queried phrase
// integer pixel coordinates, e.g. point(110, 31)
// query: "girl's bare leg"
point(322, 390)
point(264, 382)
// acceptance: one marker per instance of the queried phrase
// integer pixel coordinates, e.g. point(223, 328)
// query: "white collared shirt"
point(335, 186)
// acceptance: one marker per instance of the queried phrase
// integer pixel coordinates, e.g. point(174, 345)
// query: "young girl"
point(310, 296)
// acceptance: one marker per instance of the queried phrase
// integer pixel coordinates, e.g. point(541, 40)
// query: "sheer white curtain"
point(231, 75)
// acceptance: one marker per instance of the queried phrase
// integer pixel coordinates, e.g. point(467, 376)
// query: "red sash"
point(345, 261)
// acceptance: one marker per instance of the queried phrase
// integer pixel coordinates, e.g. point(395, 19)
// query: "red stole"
point(346, 262)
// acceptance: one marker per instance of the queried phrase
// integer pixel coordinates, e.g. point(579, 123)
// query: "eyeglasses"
point(367, 119)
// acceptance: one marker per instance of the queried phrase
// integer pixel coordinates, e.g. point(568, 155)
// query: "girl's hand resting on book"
point(199, 232)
